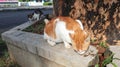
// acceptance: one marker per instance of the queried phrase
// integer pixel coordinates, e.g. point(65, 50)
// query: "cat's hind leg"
point(67, 45)
point(52, 43)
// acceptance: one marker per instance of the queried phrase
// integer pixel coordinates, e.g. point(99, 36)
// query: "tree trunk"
point(62, 7)
point(100, 17)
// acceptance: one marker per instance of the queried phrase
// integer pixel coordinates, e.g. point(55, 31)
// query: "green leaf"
point(116, 58)
point(114, 64)
point(103, 44)
point(97, 65)
point(107, 60)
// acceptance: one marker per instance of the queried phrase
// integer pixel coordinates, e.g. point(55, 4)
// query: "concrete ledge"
point(31, 50)
point(115, 49)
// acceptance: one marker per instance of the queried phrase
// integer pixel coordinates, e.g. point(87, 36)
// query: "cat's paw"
point(67, 45)
point(51, 43)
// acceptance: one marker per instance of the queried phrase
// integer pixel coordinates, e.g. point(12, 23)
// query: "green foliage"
point(29, 29)
point(92, 40)
point(1, 41)
point(2, 63)
point(47, 3)
point(107, 60)
point(116, 58)
point(114, 64)
point(97, 65)
point(27, 0)
point(103, 44)
point(24, 0)
point(38, 27)
point(5, 61)
point(6, 54)
point(20, 0)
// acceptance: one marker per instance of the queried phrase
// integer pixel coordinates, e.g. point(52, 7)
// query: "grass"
point(3, 47)
point(5, 60)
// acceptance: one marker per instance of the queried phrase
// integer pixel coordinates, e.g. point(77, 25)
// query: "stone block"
point(115, 50)
point(31, 50)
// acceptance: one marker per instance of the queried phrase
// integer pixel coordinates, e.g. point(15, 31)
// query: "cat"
point(36, 15)
point(68, 31)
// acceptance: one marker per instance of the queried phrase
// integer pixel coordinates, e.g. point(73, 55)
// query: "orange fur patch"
point(50, 28)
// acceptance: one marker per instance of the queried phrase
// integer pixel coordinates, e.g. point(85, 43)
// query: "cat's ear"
point(87, 36)
point(46, 21)
point(87, 39)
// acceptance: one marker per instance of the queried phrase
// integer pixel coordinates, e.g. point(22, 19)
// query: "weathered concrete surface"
point(115, 50)
point(27, 59)
point(31, 50)
point(29, 45)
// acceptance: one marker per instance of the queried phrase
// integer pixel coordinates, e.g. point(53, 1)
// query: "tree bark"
point(100, 17)
point(62, 7)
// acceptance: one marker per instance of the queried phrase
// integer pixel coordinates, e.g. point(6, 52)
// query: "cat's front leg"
point(52, 43)
point(67, 45)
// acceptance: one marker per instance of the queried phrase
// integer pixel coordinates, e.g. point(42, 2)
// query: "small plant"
point(97, 65)
point(108, 60)
point(38, 27)
point(92, 40)
point(103, 44)
point(104, 54)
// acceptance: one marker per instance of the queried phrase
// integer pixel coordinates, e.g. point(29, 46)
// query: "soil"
point(38, 27)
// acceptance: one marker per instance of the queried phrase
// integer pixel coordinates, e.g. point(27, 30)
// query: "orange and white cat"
point(68, 31)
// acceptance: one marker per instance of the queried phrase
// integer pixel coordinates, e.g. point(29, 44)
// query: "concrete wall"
point(31, 50)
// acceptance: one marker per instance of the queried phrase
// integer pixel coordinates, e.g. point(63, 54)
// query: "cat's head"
point(81, 42)
point(30, 16)
point(38, 11)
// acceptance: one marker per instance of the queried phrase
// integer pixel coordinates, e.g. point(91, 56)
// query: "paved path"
point(10, 19)
point(23, 8)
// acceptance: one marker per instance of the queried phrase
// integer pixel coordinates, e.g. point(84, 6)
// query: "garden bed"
point(37, 27)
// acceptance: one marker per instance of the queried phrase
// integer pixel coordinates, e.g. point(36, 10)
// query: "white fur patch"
point(30, 19)
point(36, 16)
point(62, 33)
point(46, 21)
point(81, 25)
